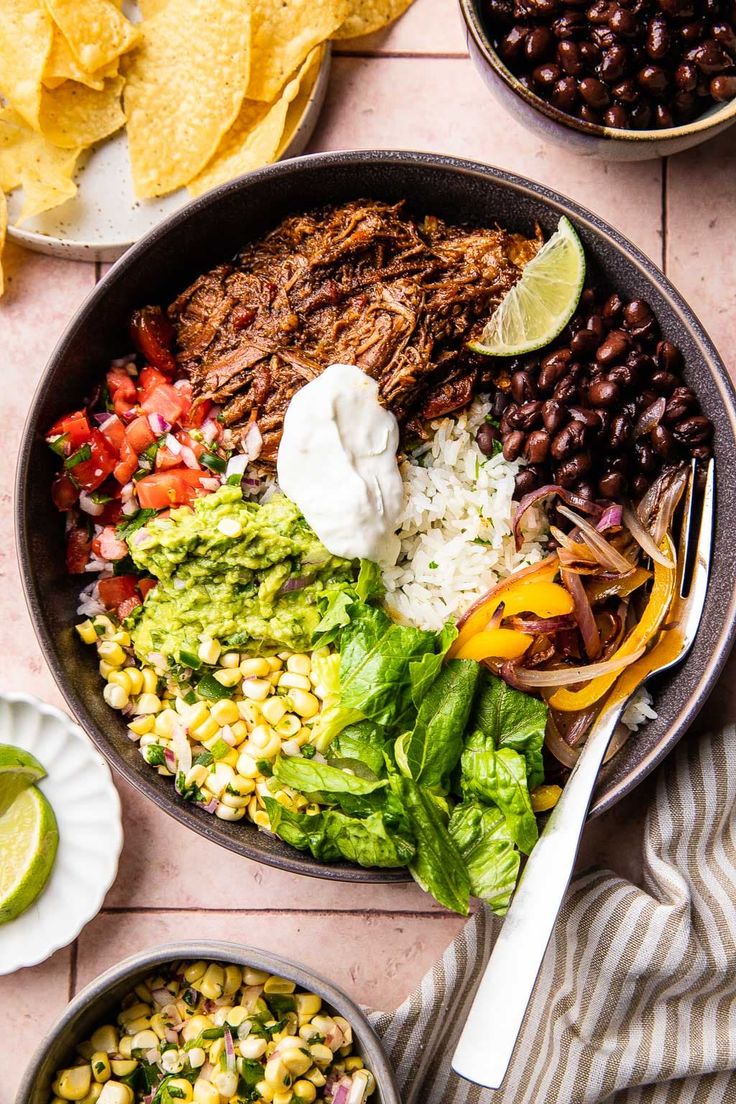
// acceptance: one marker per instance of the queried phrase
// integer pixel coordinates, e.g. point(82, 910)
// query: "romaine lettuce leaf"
point(492, 861)
point(375, 840)
point(512, 719)
point(438, 867)
point(364, 741)
point(431, 751)
point(423, 672)
point(499, 778)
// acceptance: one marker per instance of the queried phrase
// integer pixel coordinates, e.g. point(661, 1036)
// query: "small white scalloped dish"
point(80, 789)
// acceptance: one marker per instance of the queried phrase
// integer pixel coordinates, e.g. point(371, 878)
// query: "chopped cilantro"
point(135, 522)
point(83, 453)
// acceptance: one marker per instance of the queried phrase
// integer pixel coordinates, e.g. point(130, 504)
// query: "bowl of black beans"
point(616, 79)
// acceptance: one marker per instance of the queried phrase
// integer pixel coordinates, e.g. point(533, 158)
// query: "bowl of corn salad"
point(210, 1023)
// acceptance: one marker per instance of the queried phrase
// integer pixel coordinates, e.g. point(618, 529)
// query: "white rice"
point(455, 541)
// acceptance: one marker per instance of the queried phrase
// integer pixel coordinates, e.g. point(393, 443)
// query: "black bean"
point(591, 419)
point(540, 43)
point(711, 58)
point(552, 416)
point(696, 430)
point(523, 387)
point(600, 12)
point(625, 375)
point(653, 80)
point(636, 313)
point(723, 88)
point(537, 445)
point(546, 75)
point(499, 403)
point(513, 444)
point(525, 482)
point(529, 416)
point(604, 392)
point(614, 348)
point(686, 76)
point(641, 116)
point(725, 34)
point(658, 38)
point(613, 309)
point(568, 440)
point(626, 91)
point(663, 117)
point(584, 343)
point(645, 458)
point(664, 382)
point(486, 438)
point(565, 94)
point(620, 432)
point(617, 116)
point(574, 469)
point(663, 442)
point(568, 55)
point(612, 485)
point(570, 25)
point(565, 392)
point(613, 64)
point(594, 92)
point(553, 368)
point(669, 356)
point(640, 486)
point(596, 325)
point(511, 45)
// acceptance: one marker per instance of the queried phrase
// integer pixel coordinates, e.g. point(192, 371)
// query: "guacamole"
point(244, 574)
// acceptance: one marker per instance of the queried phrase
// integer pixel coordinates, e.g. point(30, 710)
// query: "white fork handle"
point(487, 1042)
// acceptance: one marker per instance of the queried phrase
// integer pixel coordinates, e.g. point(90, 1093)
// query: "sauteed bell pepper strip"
point(508, 592)
point(496, 644)
point(641, 636)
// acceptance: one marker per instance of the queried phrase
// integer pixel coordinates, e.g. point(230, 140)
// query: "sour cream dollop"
point(337, 462)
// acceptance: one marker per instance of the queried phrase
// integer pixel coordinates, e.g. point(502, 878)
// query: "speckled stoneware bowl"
point(94, 1004)
point(209, 231)
point(586, 139)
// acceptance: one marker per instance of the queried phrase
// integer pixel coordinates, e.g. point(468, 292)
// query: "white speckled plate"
point(105, 218)
point(79, 787)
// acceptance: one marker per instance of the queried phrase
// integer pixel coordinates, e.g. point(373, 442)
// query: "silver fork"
point(487, 1042)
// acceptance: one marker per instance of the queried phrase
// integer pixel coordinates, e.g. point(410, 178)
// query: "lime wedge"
point(541, 302)
point(18, 769)
point(29, 838)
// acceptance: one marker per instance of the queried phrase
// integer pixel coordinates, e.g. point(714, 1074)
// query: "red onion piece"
point(650, 417)
point(570, 676)
point(229, 1049)
point(170, 760)
point(643, 538)
point(236, 465)
point(340, 1094)
point(210, 806)
point(539, 625)
point(658, 505)
point(611, 518)
point(605, 553)
point(253, 441)
point(158, 424)
point(188, 457)
point(296, 584)
point(583, 614)
point(535, 497)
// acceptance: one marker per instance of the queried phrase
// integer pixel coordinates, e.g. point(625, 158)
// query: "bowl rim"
point(301, 863)
point(475, 28)
point(221, 951)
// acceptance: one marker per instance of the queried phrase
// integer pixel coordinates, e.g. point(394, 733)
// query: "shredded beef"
point(363, 284)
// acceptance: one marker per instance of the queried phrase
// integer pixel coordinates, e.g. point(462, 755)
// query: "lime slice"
point(542, 302)
point(18, 769)
point(29, 838)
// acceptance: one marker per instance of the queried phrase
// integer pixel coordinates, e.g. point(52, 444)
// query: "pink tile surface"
point(29, 1002)
point(405, 103)
point(377, 959)
point(375, 941)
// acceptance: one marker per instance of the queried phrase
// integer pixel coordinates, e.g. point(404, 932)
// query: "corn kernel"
point(275, 663)
point(100, 1066)
point(95, 1091)
point(147, 703)
point(305, 1091)
point(260, 817)
point(294, 682)
point(228, 677)
point(197, 1057)
point(105, 1038)
point(150, 680)
point(165, 723)
point(225, 712)
point(274, 679)
point(316, 1076)
point(261, 736)
point(111, 652)
point(226, 1083)
point(87, 632)
point(353, 1063)
point(159, 1025)
point(265, 1092)
point(256, 689)
point(226, 812)
point(276, 1074)
point(125, 1047)
point(234, 801)
point(141, 725)
point(273, 710)
point(209, 651)
point(172, 1061)
point(295, 1060)
point(284, 1097)
point(196, 715)
point(307, 1004)
point(135, 678)
point(205, 731)
point(321, 1054)
point(230, 659)
point(255, 667)
point(213, 981)
point(239, 731)
point(103, 623)
point(115, 696)
point(269, 750)
point(196, 1024)
point(347, 1031)
point(75, 1083)
point(253, 1047)
point(246, 765)
point(243, 787)
point(196, 775)
point(304, 703)
point(239, 1014)
point(219, 777)
point(123, 1067)
point(113, 1092)
point(205, 1092)
point(106, 669)
point(183, 1089)
point(119, 677)
point(288, 726)
point(299, 664)
point(145, 1040)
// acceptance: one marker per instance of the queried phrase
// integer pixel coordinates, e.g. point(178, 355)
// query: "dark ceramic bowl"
point(209, 231)
point(585, 139)
point(93, 1005)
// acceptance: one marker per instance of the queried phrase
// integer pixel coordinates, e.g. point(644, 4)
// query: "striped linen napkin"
point(636, 1001)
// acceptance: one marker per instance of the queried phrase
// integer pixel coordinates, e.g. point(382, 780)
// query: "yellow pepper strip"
point(599, 590)
point(495, 644)
point(478, 617)
point(542, 599)
point(545, 798)
point(642, 635)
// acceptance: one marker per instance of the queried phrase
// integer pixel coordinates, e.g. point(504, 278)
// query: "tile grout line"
point(665, 172)
point(73, 963)
point(369, 55)
point(118, 910)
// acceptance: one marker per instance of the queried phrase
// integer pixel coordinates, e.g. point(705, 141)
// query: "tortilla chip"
point(149, 8)
point(61, 65)
point(255, 137)
point(298, 105)
point(25, 42)
point(3, 232)
point(283, 35)
point(185, 87)
point(27, 159)
point(95, 30)
point(74, 115)
point(368, 16)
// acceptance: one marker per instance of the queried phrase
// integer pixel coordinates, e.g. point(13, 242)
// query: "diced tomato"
point(196, 446)
point(122, 390)
point(108, 546)
point(140, 435)
point(153, 336)
point(148, 380)
point(76, 427)
point(126, 608)
point(146, 585)
point(89, 474)
point(114, 430)
point(166, 401)
point(63, 492)
point(77, 551)
point(127, 464)
point(198, 413)
point(117, 589)
point(169, 488)
point(166, 459)
point(112, 513)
